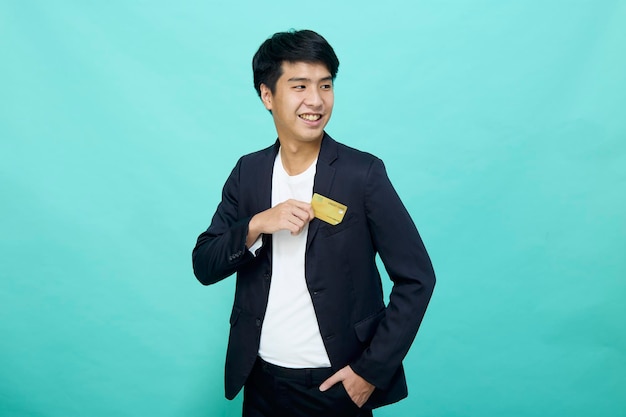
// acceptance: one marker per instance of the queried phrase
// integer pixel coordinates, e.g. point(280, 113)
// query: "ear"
point(266, 96)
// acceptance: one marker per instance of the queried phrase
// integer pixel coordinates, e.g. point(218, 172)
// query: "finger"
point(302, 212)
point(302, 205)
point(293, 226)
point(296, 220)
point(332, 380)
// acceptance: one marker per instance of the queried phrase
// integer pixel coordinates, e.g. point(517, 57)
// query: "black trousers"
point(274, 391)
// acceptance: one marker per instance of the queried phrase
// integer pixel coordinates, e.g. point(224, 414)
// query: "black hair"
point(292, 46)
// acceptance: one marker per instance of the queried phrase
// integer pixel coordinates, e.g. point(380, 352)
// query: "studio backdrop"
point(503, 129)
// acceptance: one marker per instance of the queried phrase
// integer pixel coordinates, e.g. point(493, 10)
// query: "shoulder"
point(270, 151)
point(257, 160)
point(348, 154)
point(360, 164)
point(356, 155)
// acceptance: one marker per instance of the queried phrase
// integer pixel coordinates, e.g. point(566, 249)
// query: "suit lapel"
point(324, 176)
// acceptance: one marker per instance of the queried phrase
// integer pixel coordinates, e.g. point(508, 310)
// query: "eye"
point(298, 87)
point(326, 86)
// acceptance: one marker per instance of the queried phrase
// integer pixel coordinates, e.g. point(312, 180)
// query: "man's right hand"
point(292, 215)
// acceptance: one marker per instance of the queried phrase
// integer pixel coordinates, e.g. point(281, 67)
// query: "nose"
point(313, 98)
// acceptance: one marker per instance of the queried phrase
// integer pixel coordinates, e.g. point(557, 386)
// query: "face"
point(301, 103)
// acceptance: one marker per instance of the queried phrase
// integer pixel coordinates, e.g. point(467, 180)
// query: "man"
point(310, 334)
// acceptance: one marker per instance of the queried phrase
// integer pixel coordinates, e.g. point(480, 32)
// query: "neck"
point(296, 158)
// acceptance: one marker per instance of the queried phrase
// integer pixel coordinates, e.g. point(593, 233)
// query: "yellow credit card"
point(328, 210)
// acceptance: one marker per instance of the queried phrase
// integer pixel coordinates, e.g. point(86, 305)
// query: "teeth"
point(310, 117)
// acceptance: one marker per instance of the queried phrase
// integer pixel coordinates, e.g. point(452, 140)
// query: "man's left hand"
point(357, 388)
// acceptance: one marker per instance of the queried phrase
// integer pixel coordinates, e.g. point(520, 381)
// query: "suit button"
point(266, 276)
point(258, 322)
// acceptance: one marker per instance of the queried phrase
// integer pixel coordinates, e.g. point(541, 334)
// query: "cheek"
point(288, 105)
point(295, 102)
point(330, 100)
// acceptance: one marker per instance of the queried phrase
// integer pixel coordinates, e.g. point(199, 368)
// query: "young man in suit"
point(300, 223)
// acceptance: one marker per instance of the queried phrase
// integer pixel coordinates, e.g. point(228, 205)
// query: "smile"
point(310, 117)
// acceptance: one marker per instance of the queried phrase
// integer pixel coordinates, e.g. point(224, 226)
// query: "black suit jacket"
point(340, 269)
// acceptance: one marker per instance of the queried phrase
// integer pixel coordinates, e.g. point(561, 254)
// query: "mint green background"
point(502, 125)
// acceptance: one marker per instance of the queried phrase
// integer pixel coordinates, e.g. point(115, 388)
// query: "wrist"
point(253, 231)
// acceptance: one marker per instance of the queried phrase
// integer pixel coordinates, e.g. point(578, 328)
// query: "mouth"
point(310, 117)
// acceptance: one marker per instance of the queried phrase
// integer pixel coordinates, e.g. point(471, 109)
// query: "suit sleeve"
point(408, 265)
point(221, 249)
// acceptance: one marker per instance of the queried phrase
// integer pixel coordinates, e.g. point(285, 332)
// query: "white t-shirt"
point(290, 336)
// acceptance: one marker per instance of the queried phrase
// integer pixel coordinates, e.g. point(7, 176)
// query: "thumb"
point(332, 380)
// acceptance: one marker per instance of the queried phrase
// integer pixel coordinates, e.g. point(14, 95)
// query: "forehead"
point(310, 70)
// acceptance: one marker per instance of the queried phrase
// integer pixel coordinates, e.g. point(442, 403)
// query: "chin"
point(312, 137)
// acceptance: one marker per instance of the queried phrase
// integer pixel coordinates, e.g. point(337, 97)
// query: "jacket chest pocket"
point(330, 230)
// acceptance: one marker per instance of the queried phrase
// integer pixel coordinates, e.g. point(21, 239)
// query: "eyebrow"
point(300, 79)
